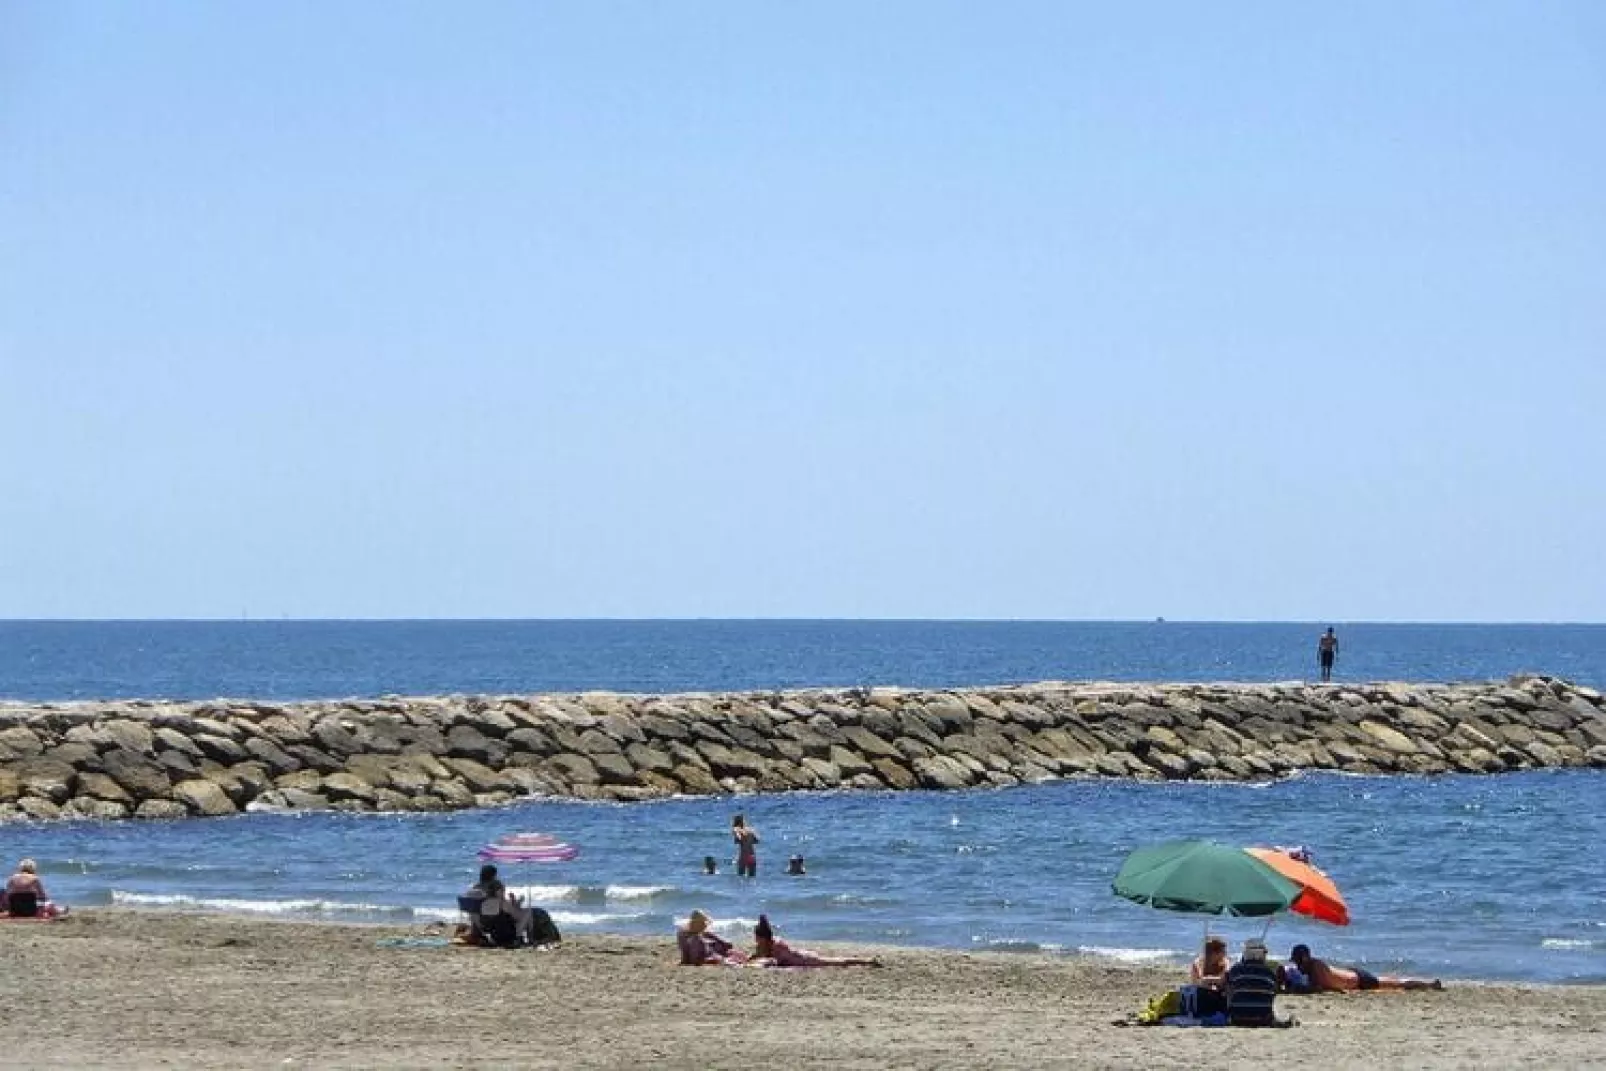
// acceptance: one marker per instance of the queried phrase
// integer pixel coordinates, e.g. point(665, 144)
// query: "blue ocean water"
point(1460, 877)
point(329, 659)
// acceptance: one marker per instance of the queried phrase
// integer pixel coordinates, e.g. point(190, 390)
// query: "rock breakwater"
point(151, 759)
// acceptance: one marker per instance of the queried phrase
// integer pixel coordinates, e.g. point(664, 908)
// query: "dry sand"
point(141, 988)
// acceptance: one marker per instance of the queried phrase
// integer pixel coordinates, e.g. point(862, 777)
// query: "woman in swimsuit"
point(771, 951)
point(1211, 966)
point(700, 946)
point(31, 900)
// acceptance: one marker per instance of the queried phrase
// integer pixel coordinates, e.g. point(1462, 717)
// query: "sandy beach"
point(143, 988)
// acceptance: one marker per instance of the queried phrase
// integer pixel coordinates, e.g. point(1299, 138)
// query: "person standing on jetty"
point(746, 838)
point(1326, 651)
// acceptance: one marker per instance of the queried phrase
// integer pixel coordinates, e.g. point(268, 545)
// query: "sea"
point(1456, 877)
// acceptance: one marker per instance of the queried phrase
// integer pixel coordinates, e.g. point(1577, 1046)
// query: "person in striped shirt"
point(1251, 987)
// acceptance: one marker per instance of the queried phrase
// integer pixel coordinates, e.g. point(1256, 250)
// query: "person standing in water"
point(746, 838)
point(1326, 651)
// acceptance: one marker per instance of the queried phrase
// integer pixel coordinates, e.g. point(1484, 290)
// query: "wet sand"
point(145, 988)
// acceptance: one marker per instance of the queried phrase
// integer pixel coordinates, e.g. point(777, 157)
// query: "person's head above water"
point(794, 865)
point(710, 865)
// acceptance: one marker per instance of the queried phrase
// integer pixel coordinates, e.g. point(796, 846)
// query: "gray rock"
point(577, 769)
point(19, 743)
point(339, 787)
point(942, 772)
point(615, 769)
point(203, 798)
point(161, 809)
point(48, 779)
point(275, 758)
point(39, 808)
point(169, 739)
point(99, 786)
point(92, 807)
point(478, 778)
point(221, 749)
point(135, 736)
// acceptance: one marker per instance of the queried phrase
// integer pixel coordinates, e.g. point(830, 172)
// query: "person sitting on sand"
point(1251, 988)
point(26, 896)
point(522, 923)
point(702, 947)
point(1322, 977)
point(1211, 966)
point(771, 951)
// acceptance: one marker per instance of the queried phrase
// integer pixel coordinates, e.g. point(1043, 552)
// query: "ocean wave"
point(271, 907)
point(593, 918)
point(1007, 944)
point(636, 892)
point(1568, 943)
point(1131, 955)
point(589, 894)
point(725, 926)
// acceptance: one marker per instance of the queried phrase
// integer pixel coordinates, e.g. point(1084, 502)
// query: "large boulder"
point(204, 798)
point(135, 736)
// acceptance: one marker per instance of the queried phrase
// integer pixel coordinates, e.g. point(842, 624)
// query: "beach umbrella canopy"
point(1318, 897)
point(1204, 877)
point(528, 848)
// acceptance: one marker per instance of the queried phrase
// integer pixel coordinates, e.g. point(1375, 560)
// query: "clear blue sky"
point(1016, 310)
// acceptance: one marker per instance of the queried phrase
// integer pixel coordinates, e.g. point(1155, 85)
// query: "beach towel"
point(413, 942)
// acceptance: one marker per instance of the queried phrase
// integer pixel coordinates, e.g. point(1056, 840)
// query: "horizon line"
point(246, 619)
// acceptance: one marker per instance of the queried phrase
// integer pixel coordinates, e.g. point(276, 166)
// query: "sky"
point(1247, 311)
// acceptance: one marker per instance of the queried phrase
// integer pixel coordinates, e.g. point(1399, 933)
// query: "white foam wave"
point(726, 927)
point(1130, 955)
point(636, 892)
point(591, 918)
point(1565, 942)
point(264, 907)
point(548, 893)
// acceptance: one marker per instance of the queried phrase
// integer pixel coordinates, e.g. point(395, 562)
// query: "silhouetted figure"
point(710, 865)
point(794, 866)
point(1326, 651)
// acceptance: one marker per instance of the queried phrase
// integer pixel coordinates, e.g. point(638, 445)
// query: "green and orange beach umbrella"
point(1203, 877)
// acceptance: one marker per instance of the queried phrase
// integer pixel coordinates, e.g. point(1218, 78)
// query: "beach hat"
point(1255, 948)
point(698, 921)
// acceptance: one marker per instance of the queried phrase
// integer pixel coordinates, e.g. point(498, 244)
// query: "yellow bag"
point(1161, 1006)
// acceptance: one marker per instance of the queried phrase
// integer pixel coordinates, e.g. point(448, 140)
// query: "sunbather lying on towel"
point(1322, 977)
point(771, 951)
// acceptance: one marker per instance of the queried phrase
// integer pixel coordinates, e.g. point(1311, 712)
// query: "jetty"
point(151, 759)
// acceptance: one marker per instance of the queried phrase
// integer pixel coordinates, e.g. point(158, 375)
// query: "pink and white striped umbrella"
point(528, 848)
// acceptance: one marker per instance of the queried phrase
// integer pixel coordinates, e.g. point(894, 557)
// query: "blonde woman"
point(25, 893)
